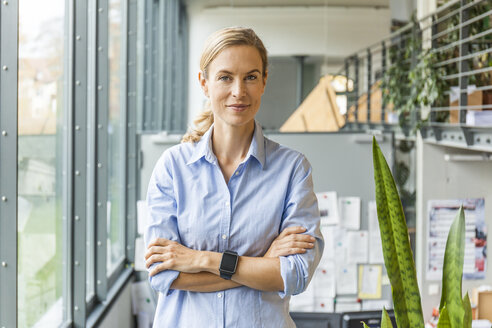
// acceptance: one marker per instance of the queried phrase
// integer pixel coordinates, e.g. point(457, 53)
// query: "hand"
point(171, 255)
point(290, 241)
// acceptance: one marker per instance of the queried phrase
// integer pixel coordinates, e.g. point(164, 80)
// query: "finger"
point(153, 259)
point(295, 250)
point(154, 250)
point(291, 230)
point(300, 237)
point(299, 244)
point(159, 242)
point(158, 268)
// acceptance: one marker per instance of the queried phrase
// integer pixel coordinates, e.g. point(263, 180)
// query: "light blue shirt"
point(190, 202)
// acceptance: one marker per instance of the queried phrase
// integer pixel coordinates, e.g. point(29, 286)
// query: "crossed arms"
point(199, 270)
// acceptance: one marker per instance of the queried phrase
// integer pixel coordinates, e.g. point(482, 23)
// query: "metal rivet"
point(77, 218)
point(99, 126)
point(100, 10)
point(488, 140)
point(478, 139)
point(5, 68)
point(6, 3)
point(130, 32)
point(76, 308)
point(99, 243)
point(77, 82)
point(77, 127)
point(4, 199)
point(99, 204)
point(4, 264)
point(99, 87)
point(77, 173)
point(76, 263)
point(4, 133)
point(99, 282)
point(100, 49)
point(78, 37)
point(99, 165)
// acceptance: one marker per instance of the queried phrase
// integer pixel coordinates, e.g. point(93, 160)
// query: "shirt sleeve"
point(162, 223)
point(301, 209)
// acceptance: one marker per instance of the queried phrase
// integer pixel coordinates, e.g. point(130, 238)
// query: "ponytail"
point(202, 123)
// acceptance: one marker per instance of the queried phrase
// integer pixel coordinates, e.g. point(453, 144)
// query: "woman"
point(233, 214)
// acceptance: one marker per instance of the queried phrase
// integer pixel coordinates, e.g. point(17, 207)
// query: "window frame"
point(8, 159)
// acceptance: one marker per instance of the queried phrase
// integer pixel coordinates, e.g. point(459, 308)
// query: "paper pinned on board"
point(349, 212)
point(375, 244)
point(357, 250)
point(324, 304)
point(329, 233)
point(346, 279)
point(375, 305)
point(328, 207)
point(370, 281)
point(303, 302)
point(324, 280)
point(347, 307)
point(340, 245)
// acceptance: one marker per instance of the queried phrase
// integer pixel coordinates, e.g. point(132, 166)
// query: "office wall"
point(120, 314)
point(440, 179)
point(334, 32)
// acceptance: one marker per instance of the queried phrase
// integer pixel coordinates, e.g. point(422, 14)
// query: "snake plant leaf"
point(365, 326)
point(453, 271)
point(385, 320)
point(397, 253)
point(467, 322)
point(444, 318)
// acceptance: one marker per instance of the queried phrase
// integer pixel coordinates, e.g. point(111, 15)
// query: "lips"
point(238, 107)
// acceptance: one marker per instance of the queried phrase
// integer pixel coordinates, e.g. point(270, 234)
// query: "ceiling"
point(289, 3)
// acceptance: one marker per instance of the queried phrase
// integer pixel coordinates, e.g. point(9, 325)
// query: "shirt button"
point(237, 172)
point(224, 237)
point(219, 295)
point(228, 203)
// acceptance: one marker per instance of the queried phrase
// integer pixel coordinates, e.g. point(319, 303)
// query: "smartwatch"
point(228, 264)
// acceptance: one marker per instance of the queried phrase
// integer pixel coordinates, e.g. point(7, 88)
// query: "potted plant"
point(455, 311)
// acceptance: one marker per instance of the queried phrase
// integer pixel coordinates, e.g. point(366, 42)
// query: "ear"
point(265, 78)
point(203, 83)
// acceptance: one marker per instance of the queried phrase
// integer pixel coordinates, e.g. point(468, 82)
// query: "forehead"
point(237, 59)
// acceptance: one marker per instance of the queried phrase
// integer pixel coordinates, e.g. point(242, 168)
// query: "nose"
point(238, 89)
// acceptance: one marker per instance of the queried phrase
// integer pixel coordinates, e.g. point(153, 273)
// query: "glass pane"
point(116, 187)
point(40, 225)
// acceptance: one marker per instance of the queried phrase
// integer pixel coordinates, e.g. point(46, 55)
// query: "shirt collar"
point(204, 147)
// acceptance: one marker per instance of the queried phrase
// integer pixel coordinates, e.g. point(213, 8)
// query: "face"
point(234, 85)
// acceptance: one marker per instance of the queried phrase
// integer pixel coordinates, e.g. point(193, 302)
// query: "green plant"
point(398, 259)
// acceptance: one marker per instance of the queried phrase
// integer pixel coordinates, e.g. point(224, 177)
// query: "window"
point(72, 185)
point(116, 173)
point(40, 158)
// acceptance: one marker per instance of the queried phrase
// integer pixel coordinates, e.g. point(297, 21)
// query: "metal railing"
point(458, 39)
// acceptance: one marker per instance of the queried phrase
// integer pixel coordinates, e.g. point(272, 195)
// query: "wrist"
point(209, 261)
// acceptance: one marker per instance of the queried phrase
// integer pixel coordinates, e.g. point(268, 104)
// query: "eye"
point(251, 77)
point(224, 78)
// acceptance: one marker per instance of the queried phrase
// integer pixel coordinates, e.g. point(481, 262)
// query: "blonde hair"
point(218, 41)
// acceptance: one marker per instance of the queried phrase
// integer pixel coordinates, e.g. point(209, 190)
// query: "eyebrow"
point(227, 72)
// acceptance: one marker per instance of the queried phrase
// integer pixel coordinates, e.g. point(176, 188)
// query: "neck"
point(230, 144)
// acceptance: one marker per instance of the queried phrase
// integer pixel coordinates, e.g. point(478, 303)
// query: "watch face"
point(228, 263)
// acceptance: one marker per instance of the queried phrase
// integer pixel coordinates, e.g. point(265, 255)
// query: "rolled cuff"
point(292, 275)
point(162, 281)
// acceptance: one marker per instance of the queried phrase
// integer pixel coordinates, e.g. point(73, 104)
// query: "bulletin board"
point(342, 163)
